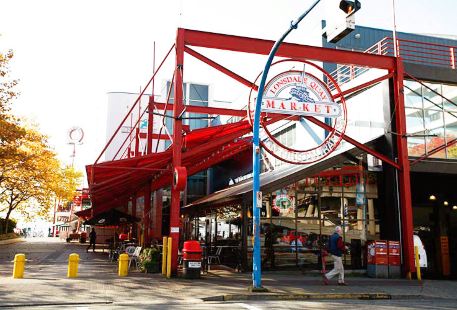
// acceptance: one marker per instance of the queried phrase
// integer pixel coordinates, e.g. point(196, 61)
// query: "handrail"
point(133, 106)
point(433, 54)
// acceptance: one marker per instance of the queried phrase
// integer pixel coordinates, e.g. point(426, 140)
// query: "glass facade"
point(196, 95)
point(303, 215)
point(431, 119)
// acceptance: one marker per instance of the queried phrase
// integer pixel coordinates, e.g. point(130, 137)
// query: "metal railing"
point(431, 54)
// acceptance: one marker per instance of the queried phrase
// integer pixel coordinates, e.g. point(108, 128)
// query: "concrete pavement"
point(45, 283)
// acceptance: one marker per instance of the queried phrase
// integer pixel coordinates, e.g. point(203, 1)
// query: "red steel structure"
point(113, 183)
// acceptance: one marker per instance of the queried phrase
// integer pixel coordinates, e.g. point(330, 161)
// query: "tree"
point(11, 132)
point(30, 174)
point(37, 180)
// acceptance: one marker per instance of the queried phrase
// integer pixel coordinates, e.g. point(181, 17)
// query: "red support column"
point(157, 215)
point(404, 184)
point(147, 215)
point(177, 148)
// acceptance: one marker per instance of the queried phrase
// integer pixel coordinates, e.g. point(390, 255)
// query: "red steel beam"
point(201, 110)
point(263, 47)
point(220, 68)
point(362, 86)
point(131, 109)
point(355, 143)
point(404, 183)
point(178, 108)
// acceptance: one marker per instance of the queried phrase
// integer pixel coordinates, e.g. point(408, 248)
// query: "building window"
point(431, 119)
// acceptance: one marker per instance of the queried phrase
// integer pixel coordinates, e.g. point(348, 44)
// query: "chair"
point(216, 257)
point(135, 257)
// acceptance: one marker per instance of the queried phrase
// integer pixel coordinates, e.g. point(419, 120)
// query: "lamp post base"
point(261, 289)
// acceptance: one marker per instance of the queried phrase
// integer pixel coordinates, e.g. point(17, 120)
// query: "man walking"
point(92, 238)
point(336, 249)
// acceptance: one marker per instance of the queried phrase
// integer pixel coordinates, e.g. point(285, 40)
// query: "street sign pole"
point(257, 205)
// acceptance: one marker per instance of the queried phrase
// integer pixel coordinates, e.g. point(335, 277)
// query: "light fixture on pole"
point(432, 197)
point(76, 136)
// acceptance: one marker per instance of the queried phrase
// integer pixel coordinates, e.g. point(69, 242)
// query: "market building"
point(377, 156)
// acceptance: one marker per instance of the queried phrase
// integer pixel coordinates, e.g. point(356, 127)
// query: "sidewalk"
point(98, 283)
point(11, 241)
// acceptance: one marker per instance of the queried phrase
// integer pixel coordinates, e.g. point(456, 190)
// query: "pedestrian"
point(336, 249)
point(269, 247)
point(92, 238)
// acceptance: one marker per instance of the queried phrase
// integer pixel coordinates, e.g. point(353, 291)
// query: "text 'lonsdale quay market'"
point(359, 134)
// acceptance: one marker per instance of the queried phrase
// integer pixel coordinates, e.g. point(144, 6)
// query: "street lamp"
point(349, 7)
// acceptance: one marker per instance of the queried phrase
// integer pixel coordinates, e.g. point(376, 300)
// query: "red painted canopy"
point(112, 183)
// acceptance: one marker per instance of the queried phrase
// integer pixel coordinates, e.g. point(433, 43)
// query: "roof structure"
point(275, 179)
point(111, 183)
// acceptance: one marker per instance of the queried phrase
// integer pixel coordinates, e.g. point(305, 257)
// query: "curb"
point(19, 305)
point(310, 296)
point(11, 241)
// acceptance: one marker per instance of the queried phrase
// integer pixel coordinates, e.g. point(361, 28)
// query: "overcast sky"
point(69, 54)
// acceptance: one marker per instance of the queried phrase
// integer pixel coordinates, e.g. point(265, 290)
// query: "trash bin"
point(192, 259)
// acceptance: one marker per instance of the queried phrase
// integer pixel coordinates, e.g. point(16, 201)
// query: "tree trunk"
point(7, 219)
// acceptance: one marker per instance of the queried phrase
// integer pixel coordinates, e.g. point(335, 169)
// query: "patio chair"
point(216, 257)
point(135, 257)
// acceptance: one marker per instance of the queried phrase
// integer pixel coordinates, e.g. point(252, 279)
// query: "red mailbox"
point(377, 259)
point(394, 253)
point(377, 253)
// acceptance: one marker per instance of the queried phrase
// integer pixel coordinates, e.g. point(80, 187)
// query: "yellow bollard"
point(19, 266)
point(123, 265)
point(73, 261)
point(418, 267)
point(164, 256)
point(170, 246)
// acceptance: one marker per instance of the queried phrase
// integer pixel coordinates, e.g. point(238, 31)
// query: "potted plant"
point(150, 260)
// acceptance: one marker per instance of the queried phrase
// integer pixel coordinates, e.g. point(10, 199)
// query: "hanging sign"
point(294, 96)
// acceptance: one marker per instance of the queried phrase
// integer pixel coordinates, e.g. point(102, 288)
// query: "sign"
point(195, 264)
point(307, 101)
point(259, 199)
point(174, 230)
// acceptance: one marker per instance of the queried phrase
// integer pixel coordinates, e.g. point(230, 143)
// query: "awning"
point(112, 183)
point(111, 217)
point(84, 214)
point(275, 179)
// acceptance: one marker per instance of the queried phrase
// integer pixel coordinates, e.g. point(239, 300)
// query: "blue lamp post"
point(257, 205)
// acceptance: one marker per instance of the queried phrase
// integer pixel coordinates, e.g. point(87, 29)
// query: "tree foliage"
point(31, 177)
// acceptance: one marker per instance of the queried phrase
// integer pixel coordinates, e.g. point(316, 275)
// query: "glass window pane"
point(198, 92)
point(450, 92)
point(433, 119)
point(413, 94)
point(451, 134)
point(414, 120)
point(435, 142)
point(431, 99)
point(416, 146)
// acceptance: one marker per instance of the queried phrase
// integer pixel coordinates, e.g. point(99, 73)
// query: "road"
point(45, 286)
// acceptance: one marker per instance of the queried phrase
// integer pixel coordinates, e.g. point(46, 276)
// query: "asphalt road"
point(48, 257)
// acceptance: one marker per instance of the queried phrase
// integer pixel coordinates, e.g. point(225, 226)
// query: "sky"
point(69, 54)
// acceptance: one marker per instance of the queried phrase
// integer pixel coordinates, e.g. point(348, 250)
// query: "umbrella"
point(111, 217)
